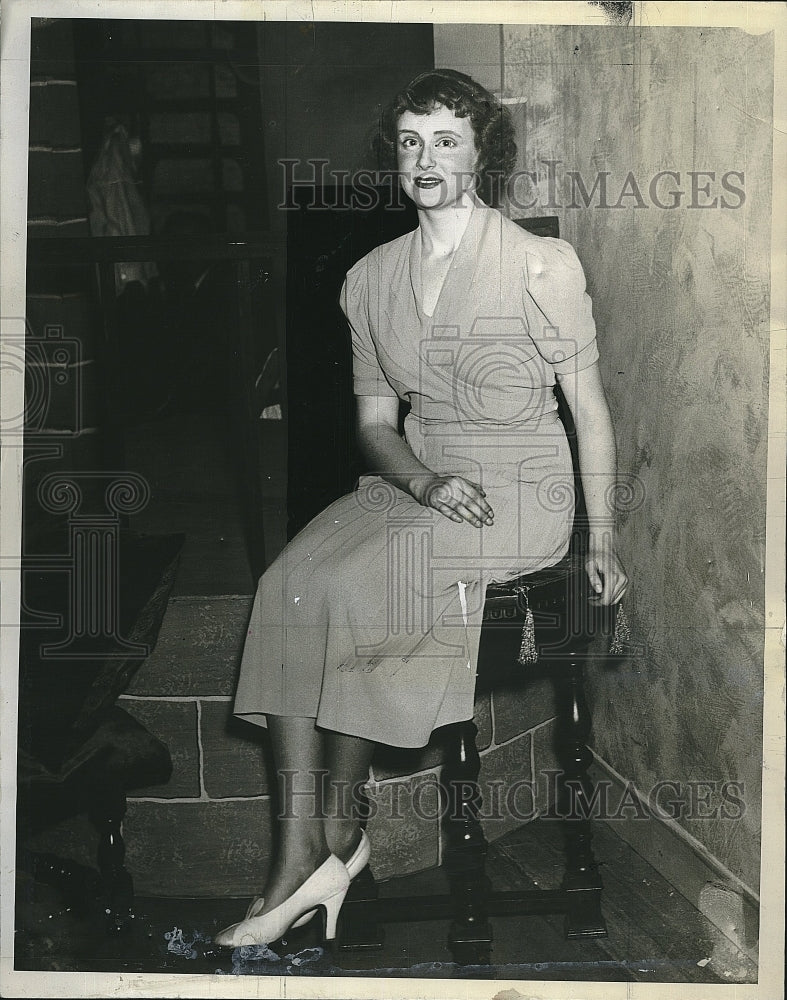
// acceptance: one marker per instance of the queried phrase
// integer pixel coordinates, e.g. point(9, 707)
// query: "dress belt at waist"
point(466, 424)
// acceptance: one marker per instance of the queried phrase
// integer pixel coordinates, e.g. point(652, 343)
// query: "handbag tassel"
point(528, 653)
point(622, 636)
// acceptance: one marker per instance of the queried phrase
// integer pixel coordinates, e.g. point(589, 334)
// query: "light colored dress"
point(369, 620)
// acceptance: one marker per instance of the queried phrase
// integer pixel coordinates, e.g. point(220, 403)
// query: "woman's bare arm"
point(585, 396)
point(388, 455)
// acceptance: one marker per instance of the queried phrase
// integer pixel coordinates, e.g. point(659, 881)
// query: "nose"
point(425, 157)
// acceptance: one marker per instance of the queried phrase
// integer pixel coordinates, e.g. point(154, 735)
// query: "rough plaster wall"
point(681, 302)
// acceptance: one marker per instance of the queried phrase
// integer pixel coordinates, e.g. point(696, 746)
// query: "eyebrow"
point(445, 131)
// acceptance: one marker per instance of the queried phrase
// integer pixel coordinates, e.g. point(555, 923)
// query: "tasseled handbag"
point(622, 637)
point(528, 651)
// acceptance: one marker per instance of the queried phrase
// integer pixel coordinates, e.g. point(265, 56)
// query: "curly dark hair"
point(490, 120)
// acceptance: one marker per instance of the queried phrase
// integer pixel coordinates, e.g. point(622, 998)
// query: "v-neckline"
point(415, 268)
point(418, 278)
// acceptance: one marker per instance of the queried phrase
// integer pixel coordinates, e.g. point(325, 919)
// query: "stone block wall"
point(63, 431)
point(209, 829)
point(56, 173)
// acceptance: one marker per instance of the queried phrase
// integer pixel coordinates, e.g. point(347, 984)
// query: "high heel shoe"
point(324, 889)
point(354, 865)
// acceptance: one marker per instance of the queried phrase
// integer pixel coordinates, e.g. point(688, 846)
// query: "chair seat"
point(553, 608)
point(510, 593)
point(570, 563)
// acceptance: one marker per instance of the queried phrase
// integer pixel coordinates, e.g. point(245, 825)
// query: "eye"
point(446, 141)
point(408, 142)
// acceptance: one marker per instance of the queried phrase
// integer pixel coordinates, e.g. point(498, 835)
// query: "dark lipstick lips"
point(427, 182)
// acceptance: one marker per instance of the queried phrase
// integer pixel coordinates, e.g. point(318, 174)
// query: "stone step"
point(198, 649)
point(203, 846)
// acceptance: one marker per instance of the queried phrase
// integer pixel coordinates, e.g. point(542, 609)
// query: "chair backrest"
point(549, 225)
point(542, 225)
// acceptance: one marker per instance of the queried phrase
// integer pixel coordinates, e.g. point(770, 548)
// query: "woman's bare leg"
point(298, 754)
point(311, 824)
point(347, 759)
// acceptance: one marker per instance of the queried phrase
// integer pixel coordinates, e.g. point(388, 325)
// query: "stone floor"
point(188, 460)
point(655, 935)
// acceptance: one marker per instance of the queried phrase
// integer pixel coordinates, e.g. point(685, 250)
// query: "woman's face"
point(436, 156)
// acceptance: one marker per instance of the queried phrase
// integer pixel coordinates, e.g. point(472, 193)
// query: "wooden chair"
point(561, 630)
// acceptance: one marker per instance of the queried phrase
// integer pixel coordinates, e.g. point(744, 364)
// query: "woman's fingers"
point(475, 498)
point(459, 512)
point(471, 512)
point(482, 508)
point(461, 500)
point(596, 581)
point(609, 574)
point(477, 505)
point(618, 581)
point(620, 588)
point(443, 508)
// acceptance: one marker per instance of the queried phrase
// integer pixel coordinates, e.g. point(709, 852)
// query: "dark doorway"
point(327, 234)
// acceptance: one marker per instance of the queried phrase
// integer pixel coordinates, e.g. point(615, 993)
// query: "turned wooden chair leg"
point(465, 848)
point(582, 879)
point(357, 931)
point(106, 814)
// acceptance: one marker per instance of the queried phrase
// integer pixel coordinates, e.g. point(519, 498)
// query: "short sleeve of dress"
point(557, 307)
point(368, 377)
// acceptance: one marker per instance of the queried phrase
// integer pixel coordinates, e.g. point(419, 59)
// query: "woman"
point(366, 627)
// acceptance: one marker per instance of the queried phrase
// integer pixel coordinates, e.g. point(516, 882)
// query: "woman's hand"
point(607, 576)
point(455, 497)
point(391, 457)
